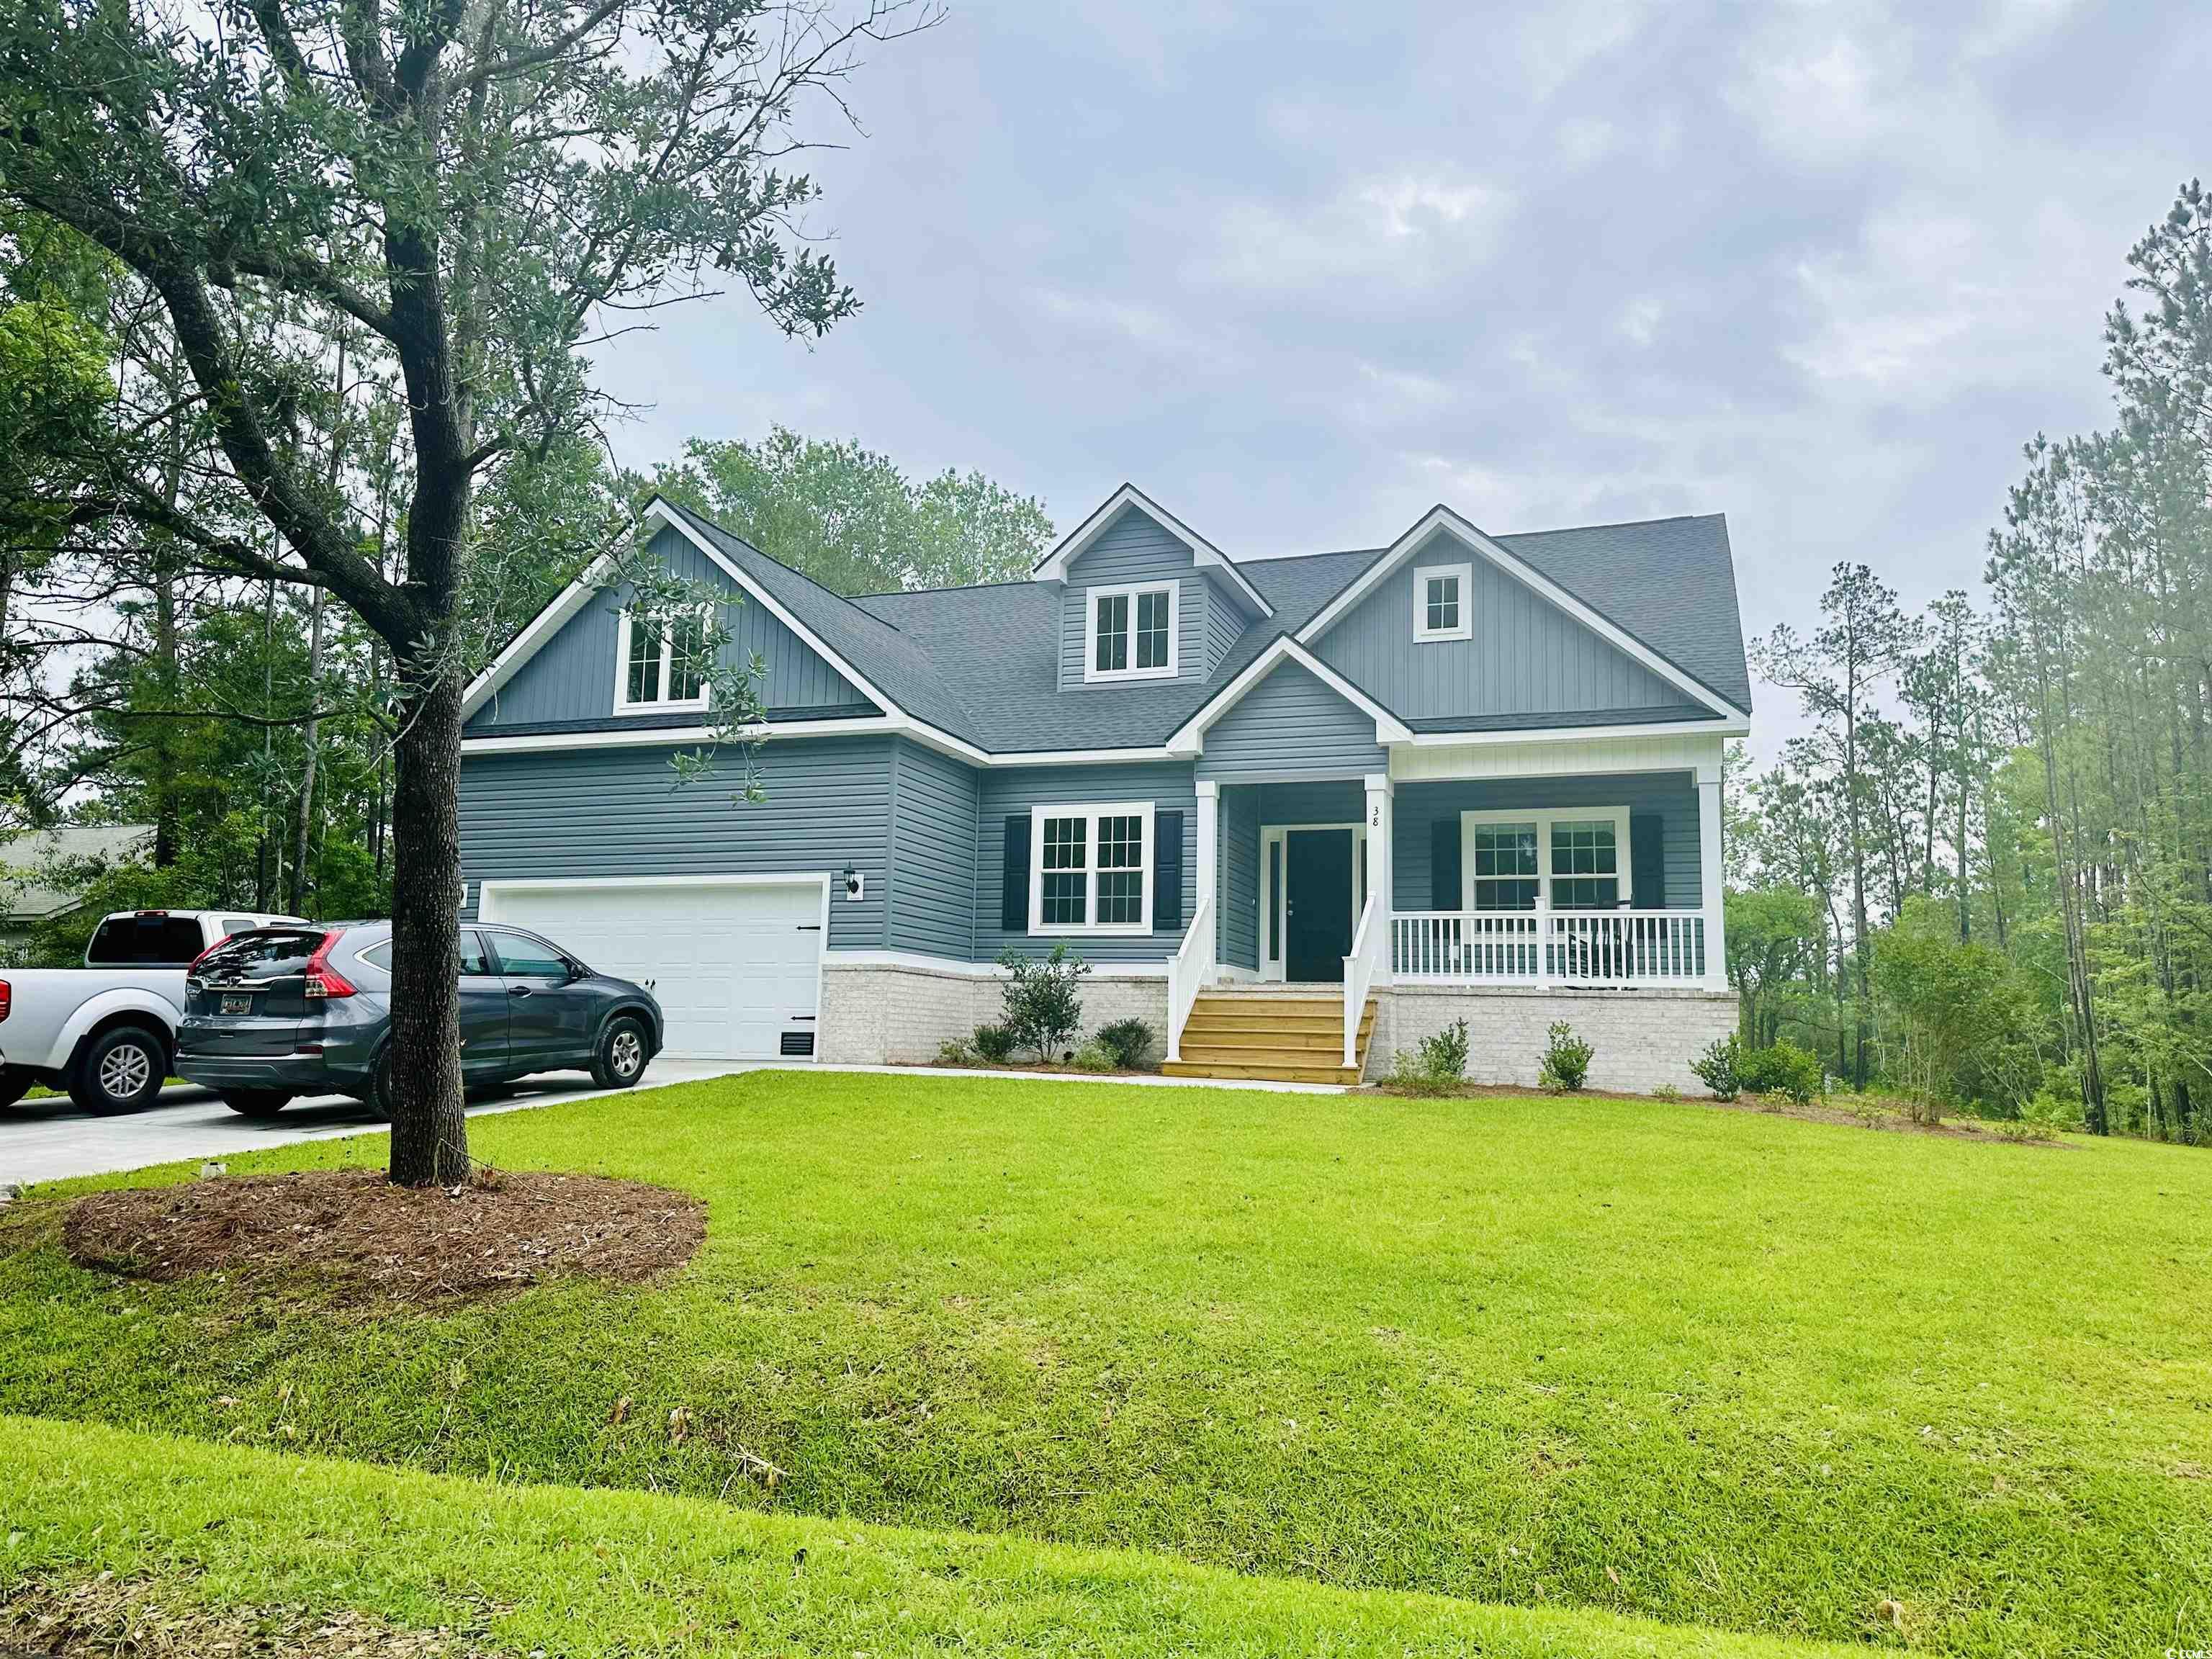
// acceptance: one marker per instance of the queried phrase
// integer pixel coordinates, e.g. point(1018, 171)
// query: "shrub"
point(1566, 1059)
point(1044, 1008)
point(1785, 1069)
point(1130, 1043)
point(1095, 1056)
point(1719, 1067)
point(994, 1043)
point(953, 1052)
point(1666, 1091)
point(1409, 1076)
point(1443, 1054)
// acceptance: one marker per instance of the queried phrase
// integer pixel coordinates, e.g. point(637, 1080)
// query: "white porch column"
point(1710, 869)
point(1209, 848)
point(1379, 793)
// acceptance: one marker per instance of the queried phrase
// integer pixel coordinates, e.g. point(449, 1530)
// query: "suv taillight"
point(7, 998)
point(324, 981)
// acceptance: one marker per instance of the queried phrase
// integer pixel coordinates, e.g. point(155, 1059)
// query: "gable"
point(1289, 725)
point(1524, 654)
point(568, 681)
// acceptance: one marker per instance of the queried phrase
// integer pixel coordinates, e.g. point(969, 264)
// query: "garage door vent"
point(799, 1042)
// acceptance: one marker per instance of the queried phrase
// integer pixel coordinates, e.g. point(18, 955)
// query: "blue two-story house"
point(1297, 811)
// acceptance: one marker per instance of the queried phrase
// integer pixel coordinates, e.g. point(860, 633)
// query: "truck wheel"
point(257, 1103)
point(15, 1082)
point(619, 1060)
point(119, 1070)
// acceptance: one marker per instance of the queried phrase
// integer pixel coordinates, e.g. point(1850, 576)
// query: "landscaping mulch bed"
point(364, 1236)
point(110, 1617)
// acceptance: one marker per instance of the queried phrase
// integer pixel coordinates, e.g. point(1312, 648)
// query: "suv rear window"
point(264, 953)
point(148, 941)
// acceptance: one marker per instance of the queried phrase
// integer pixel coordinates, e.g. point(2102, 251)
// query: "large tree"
point(478, 191)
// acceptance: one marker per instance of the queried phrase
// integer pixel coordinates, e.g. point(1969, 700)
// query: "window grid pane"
point(1505, 866)
point(1443, 603)
point(1113, 646)
point(644, 681)
point(1585, 867)
point(687, 670)
point(1152, 630)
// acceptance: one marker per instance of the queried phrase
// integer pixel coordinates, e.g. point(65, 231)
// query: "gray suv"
point(287, 1010)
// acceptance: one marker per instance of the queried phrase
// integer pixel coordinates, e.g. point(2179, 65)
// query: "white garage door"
point(735, 966)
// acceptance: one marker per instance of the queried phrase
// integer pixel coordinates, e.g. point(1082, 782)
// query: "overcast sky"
point(1301, 271)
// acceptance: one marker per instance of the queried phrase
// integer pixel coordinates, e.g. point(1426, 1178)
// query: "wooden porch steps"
point(1270, 1037)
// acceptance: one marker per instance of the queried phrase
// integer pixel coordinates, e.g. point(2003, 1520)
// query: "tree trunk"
point(310, 733)
point(430, 1135)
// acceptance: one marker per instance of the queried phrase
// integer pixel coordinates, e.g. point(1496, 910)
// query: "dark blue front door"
point(1317, 904)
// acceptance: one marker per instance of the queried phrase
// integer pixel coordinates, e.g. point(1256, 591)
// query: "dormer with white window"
point(661, 663)
point(1441, 593)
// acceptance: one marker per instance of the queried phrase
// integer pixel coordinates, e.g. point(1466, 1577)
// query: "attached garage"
point(735, 961)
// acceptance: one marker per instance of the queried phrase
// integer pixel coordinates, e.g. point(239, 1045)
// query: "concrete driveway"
point(48, 1139)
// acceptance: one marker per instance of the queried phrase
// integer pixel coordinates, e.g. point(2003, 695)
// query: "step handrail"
point(1359, 974)
point(1188, 969)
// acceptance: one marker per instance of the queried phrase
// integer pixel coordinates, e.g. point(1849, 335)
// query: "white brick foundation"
point(1643, 1038)
point(877, 1013)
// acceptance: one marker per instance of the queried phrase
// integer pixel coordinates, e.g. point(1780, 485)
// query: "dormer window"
point(1441, 595)
point(1133, 633)
point(661, 663)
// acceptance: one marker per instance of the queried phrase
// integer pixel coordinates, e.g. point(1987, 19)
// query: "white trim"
point(1053, 567)
point(1132, 591)
point(1463, 602)
point(1442, 518)
point(948, 965)
point(488, 893)
point(1090, 812)
point(1715, 728)
point(1190, 738)
point(664, 703)
point(1544, 817)
point(1275, 971)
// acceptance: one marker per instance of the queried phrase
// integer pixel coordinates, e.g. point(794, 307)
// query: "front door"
point(1317, 904)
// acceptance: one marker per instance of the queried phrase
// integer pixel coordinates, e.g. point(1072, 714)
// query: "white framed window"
point(1577, 857)
point(1133, 632)
point(1443, 594)
point(1091, 868)
point(662, 666)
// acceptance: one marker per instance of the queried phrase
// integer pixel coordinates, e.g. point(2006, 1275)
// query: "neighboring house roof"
point(982, 664)
point(26, 861)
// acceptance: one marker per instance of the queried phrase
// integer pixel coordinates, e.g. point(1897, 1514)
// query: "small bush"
point(994, 1043)
point(1566, 1059)
point(1443, 1054)
point(1719, 1067)
point(1785, 1069)
point(1130, 1043)
point(1409, 1076)
point(1044, 1007)
point(953, 1052)
point(1666, 1091)
point(1095, 1057)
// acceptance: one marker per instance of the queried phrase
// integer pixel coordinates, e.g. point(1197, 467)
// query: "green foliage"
point(1782, 1069)
point(1044, 999)
point(1774, 934)
point(994, 1043)
point(1566, 1058)
point(852, 519)
point(1095, 1056)
point(1719, 1068)
point(1967, 1021)
point(1666, 1091)
point(1130, 1042)
point(1438, 1065)
point(953, 1052)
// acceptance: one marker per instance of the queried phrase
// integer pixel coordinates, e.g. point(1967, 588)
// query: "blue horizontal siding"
point(1168, 786)
point(931, 889)
point(1670, 796)
point(1288, 725)
point(601, 813)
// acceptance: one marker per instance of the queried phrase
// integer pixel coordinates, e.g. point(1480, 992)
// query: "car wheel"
point(379, 1099)
point(257, 1103)
point(623, 1051)
point(15, 1082)
point(119, 1070)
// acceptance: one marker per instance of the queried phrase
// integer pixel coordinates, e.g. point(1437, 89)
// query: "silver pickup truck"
point(106, 1032)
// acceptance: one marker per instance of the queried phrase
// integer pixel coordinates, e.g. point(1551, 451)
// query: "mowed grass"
point(553, 1570)
point(1708, 1367)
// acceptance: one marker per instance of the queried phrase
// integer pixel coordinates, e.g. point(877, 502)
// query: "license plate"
point(237, 1005)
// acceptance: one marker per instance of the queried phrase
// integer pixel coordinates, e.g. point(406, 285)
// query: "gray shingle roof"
point(983, 663)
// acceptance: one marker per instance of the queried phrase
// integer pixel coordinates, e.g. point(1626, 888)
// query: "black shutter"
point(1014, 878)
point(1167, 871)
point(1445, 892)
point(1647, 860)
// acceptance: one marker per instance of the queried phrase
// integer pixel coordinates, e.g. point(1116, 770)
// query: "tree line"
point(1983, 874)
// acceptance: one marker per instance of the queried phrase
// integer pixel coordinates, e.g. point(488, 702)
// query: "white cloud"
point(1394, 230)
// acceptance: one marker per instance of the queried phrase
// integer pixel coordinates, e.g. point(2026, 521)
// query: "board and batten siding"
point(1291, 725)
point(595, 813)
point(1236, 931)
point(1135, 548)
point(1525, 657)
point(930, 890)
point(1672, 797)
point(571, 678)
point(1171, 787)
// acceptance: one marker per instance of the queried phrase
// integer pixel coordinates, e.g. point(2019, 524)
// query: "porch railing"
point(1188, 969)
point(1548, 947)
point(1359, 969)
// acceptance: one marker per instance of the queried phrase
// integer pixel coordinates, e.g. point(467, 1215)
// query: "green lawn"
point(1763, 1373)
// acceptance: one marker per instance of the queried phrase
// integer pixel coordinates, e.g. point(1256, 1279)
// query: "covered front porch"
point(1440, 872)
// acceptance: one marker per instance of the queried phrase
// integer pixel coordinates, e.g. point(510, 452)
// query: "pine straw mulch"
point(364, 1238)
point(120, 1619)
